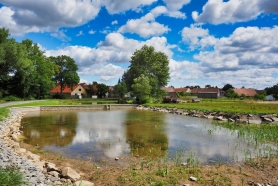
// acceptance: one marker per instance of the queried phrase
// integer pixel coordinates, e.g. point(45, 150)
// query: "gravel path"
point(17, 103)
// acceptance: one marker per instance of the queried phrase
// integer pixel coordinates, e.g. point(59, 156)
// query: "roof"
point(249, 92)
point(181, 89)
point(168, 89)
point(66, 89)
point(205, 90)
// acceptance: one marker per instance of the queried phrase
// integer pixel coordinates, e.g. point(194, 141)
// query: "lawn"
point(230, 106)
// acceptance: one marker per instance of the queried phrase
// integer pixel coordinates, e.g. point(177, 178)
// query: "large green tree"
point(227, 87)
point(67, 71)
point(120, 89)
point(102, 89)
point(142, 88)
point(15, 65)
point(153, 65)
point(39, 80)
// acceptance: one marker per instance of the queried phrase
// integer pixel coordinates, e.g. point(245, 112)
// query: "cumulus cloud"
point(117, 6)
point(248, 57)
point(219, 11)
point(114, 22)
point(146, 26)
point(60, 34)
point(193, 34)
point(174, 5)
point(92, 32)
point(45, 15)
point(26, 16)
point(80, 33)
point(106, 58)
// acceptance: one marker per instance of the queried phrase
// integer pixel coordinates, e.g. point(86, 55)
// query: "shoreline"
point(41, 172)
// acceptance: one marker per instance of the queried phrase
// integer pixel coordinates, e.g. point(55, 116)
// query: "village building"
point(77, 91)
point(248, 92)
point(206, 92)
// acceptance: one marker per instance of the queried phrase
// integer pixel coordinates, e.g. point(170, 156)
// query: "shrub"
point(59, 96)
point(11, 98)
point(11, 176)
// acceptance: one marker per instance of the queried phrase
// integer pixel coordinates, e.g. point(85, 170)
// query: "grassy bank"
point(238, 106)
point(4, 112)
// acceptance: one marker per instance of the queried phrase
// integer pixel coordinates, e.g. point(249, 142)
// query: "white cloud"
point(248, 57)
point(193, 34)
point(60, 34)
point(105, 60)
point(146, 26)
point(114, 22)
point(45, 15)
point(92, 32)
point(174, 5)
point(117, 6)
point(25, 16)
point(219, 11)
point(80, 33)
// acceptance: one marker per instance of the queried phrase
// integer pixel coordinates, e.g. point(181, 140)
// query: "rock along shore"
point(219, 116)
point(36, 172)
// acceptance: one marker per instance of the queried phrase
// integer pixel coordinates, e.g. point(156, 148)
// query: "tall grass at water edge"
point(241, 107)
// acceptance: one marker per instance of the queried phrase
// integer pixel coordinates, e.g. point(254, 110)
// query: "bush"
point(122, 101)
point(11, 98)
point(59, 96)
point(11, 176)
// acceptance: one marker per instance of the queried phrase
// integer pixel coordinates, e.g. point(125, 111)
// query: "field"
point(230, 106)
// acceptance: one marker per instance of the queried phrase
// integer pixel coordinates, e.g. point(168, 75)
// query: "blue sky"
point(208, 42)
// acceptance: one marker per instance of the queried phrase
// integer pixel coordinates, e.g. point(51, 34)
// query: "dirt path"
point(17, 103)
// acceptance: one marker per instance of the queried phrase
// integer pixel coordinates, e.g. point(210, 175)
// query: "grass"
point(4, 112)
point(229, 106)
point(11, 176)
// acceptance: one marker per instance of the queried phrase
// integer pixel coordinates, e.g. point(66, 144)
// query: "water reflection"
point(56, 129)
point(108, 134)
point(146, 133)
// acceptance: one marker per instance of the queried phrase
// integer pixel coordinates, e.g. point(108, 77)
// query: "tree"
point(40, 79)
point(14, 64)
point(153, 65)
point(230, 93)
point(120, 89)
point(227, 87)
point(141, 89)
point(102, 89)
point(272, 90)
point(260, 96)
point(67, 73)
point(92, 89)
point(208, 86)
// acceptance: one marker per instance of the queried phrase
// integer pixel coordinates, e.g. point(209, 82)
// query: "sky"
point(208, 42)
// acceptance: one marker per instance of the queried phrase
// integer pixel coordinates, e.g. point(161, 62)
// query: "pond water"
point(100, 135)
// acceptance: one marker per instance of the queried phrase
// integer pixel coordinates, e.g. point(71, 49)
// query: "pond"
point(100, 135)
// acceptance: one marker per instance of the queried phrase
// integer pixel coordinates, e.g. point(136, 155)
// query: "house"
point(179, 90)
point(206, 92)
point(76, 91)
point(171, 95)
point(248, 92)
point(269, 98)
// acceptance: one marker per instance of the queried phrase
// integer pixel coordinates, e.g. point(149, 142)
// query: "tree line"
point(25, 72)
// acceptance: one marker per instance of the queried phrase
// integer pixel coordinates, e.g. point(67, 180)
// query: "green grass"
point(11, 176)
point(229, 106)
point(4, 112)
point(255, 133)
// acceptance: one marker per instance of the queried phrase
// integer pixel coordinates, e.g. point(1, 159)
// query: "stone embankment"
point(219, 116)
point(37, 172)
